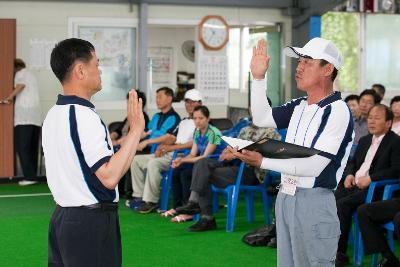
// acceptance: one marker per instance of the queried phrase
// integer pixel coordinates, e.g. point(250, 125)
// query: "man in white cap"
point(308, 228)
point(146, 169)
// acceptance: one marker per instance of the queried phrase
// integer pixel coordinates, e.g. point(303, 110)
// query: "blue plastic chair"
point(166, 181)
point(282, 133)
point(234, 131)
point(358, 247)
point(387, 194)
point(232, 193)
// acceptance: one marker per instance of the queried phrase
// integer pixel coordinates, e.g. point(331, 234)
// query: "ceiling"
point(290, 7)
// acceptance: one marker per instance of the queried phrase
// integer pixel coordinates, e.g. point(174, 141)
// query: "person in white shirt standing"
point(82, 170)
point(27, 120)
point(306, 218)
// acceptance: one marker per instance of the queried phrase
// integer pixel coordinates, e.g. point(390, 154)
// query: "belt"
point(103, 206)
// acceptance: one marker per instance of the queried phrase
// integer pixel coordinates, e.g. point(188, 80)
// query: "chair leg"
point(249, 197)
point(231, 212)
point(164, 193)
point(196, 217)
point(265, 201)
point(215, 206)
point(358, 244)
point(390, 239)
point(374, 261)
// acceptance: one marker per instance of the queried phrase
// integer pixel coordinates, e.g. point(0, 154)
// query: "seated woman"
point(205, 141)
point(221, 174)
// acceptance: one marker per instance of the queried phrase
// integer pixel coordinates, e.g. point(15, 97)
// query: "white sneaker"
point(27, 182)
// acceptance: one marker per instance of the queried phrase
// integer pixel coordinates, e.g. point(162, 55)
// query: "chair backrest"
point(221, 123)
point(234, 131)
point(282, 133)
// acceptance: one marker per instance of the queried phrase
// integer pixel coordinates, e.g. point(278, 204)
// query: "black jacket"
point(386, 162)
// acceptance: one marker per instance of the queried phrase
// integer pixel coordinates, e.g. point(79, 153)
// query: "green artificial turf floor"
point(147, 240)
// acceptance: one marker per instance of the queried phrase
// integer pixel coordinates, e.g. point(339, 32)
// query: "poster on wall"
point(115, 42)
point(160, 70)
point(39, 53)
point(115, 48)
point(213, 79)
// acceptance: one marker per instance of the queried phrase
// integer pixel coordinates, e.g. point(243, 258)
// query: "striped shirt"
point(326, 126)
point(76, 143)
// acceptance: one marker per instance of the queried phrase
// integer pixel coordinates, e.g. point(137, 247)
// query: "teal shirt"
point(212, 135)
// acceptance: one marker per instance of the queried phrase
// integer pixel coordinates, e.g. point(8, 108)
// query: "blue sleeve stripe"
point(324, 120)
point(327, 178)
point(283, 114)
point(100, 163)
point(99, 191)
point(105, 132)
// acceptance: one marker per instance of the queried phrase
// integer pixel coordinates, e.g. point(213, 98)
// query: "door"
point(7, 56)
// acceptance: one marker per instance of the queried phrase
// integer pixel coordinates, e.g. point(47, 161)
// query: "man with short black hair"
point(81, 168)
point(352, 103)
point(368, 98)
point(380, 90)
point(162, 122)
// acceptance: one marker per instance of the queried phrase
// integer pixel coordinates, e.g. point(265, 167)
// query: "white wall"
point(173, 37)
point(49, 20)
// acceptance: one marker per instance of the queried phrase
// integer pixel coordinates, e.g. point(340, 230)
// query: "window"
point(382, 52)
point(343, 29)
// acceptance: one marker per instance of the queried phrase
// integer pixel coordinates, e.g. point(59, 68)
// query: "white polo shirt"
point(184, 131)
point(326, 126)
point(76, 143)
point(27, 104)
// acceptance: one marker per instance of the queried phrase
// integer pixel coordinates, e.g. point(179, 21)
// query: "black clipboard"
point(271, 148)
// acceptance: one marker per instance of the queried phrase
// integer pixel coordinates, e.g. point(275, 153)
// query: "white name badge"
point(289, 185)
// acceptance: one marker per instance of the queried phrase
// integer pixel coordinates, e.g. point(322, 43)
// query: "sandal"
point(169, 213)
point(182, 218)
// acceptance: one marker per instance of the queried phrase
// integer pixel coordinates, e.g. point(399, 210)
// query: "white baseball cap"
point(317, 48)
point(193, 94)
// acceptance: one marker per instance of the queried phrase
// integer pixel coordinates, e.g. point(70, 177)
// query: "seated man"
point(376, 158)
point(161, 123)
point(220, 173)
point(370, 217)
point(368, 98)
point(145, 169)
point(352, 103)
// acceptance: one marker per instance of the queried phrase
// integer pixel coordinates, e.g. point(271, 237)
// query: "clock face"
point(213, 32)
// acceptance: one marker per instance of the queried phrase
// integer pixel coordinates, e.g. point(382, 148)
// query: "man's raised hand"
point(135, 112)
point(260, 60)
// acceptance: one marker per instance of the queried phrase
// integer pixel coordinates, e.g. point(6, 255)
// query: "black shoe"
point(272, 243)
point(389, 262)
point(203, 225)
point(191, 208)
point(341, 259)
point(147, 207)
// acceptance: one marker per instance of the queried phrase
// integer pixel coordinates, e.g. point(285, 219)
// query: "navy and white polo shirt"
point(326, 126)
point(76, 143)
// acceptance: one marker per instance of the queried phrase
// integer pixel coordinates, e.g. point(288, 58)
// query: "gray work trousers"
point(146, 175)
point(308, 228)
